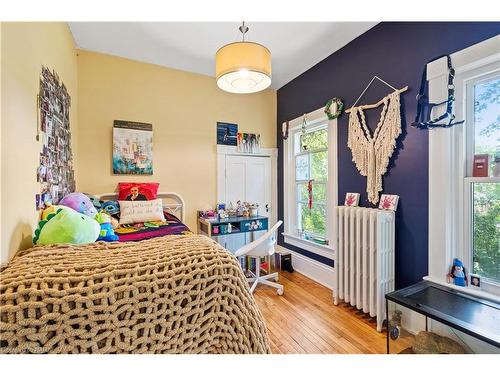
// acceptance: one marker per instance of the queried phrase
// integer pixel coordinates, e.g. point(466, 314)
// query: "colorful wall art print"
point(55, 170)
point(132, 147)
point(389, 202)
point(226, 133)
point(351, 199)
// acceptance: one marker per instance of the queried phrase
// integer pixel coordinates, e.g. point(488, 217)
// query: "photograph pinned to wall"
point(351, 199)
point(55, 171)
point(248, 143)
point(132, 147)
point(226, 133)
point(389, 202)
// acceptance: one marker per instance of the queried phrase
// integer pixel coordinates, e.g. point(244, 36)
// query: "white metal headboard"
point(172, 202)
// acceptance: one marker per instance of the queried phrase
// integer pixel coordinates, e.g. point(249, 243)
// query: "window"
point(482, 209)
point(310, 189)
point(311, 179)
point(464, 207)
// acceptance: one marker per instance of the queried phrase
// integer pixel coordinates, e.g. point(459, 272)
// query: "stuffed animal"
point(49, 209)
point(66, 226)
point(107, 233)
point(458, 273)
point(80, 203)
point(95, 201)
point(111, 207)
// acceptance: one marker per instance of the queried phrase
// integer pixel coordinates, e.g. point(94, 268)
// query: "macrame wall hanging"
point(371, 153)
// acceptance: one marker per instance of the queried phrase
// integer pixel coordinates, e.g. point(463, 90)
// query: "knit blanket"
point(174, 294)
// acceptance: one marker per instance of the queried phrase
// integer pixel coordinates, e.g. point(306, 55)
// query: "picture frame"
point(351, 199)
point(132, 148)
point(475, 281)
point(227, 133)
point(388, 202)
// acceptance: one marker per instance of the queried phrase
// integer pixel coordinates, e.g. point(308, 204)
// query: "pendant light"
point(243, 67)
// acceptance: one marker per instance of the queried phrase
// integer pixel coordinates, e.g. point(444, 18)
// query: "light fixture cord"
point(243, 29)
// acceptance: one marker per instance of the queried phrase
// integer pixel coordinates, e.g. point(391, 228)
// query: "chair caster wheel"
point(280, 291)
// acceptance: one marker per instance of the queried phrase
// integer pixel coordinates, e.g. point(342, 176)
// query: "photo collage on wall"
point(55, 172)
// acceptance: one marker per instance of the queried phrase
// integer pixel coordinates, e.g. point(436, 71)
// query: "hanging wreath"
point(328, 106)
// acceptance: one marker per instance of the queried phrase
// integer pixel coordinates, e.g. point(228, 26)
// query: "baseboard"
point(319, 272)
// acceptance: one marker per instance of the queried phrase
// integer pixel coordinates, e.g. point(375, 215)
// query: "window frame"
point(483, 74)
point(315, 120)
point(449, 193)
point(296, 146)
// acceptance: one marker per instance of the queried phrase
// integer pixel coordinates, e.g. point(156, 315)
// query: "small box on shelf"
point(481, 165)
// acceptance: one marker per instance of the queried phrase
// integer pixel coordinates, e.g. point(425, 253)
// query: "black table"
point(474, 316)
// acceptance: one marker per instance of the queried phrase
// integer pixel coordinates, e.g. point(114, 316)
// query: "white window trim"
point(314, 119)
point(447, 162)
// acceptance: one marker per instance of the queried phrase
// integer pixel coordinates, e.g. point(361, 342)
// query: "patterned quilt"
point(152, 229)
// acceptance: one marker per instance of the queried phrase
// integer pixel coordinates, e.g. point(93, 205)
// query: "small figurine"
point(458, 273)
point(223, 215)
point(394, 324)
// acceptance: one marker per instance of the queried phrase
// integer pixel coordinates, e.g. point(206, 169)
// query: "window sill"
point(467, 290)
point(323, 250)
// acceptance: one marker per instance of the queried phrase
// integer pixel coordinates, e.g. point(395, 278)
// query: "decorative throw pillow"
point(141, 211)
point(137, 191)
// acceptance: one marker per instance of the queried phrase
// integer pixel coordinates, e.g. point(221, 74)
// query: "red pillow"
point(137, 191)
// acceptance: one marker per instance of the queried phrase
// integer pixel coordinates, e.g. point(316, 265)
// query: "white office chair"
point(263, 246)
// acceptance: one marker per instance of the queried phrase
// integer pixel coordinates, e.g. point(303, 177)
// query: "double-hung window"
point(311, 181)
point(310, 186)
point(464, 167)
point(482, 188)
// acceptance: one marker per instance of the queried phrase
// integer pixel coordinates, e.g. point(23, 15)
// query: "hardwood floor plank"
point(305, 320)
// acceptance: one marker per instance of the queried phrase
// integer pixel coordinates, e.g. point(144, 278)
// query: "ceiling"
point(191, 46)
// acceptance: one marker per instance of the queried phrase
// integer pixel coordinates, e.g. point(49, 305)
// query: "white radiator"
point(364, 258)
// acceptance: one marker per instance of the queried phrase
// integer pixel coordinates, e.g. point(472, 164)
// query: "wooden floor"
point(305, 320)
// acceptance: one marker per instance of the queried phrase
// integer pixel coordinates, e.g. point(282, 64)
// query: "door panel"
point(235, 179)
point(248, 179)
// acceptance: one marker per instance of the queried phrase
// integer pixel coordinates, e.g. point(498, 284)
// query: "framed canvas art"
point(389, 202)
point(226, 133)
point(351, 199)
point(132, 147)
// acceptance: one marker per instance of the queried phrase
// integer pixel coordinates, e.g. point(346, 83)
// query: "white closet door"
point(248, 179)
point(235, 181)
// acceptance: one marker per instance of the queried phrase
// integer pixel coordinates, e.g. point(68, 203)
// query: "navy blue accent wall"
point(396, 52)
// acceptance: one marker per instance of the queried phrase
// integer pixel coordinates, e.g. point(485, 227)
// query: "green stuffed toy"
point(107, 232)
point(66, 226)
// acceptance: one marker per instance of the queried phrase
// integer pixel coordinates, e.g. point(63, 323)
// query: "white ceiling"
point(191, 46)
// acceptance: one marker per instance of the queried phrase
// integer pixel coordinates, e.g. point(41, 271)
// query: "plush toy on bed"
point(49, 209)
point(107, 233)
point(66, 226)
point(80, 203)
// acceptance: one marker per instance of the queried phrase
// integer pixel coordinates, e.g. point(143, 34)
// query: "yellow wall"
point(25, 47)
point(183, 108)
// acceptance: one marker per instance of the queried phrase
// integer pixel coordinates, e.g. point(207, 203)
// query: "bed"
point(167, 294)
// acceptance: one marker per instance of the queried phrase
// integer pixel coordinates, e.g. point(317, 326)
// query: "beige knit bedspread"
point(174, 294)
